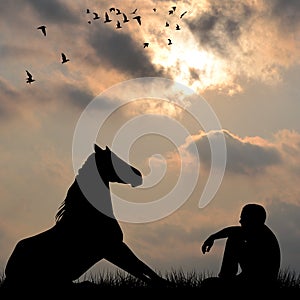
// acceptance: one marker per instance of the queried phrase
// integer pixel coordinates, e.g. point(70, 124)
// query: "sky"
point(241, 58)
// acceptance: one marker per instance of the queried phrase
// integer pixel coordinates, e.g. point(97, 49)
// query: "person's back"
point(260, 255)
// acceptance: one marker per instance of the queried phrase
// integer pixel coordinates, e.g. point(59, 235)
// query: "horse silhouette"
point(82, 234)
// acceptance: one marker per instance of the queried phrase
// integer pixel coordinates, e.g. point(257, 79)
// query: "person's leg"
point(229, 266)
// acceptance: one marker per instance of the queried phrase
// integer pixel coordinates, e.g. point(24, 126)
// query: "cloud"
point(224, 26)
point(220, 43)
point(244, 155)
point(224, 43)
point(53, 11)
point(287, 13)
point(122, 52)
point(77, 96)
point(221, 25)
point(16, 103)
point(7, 99)
point(19, 52)
point(283, 218)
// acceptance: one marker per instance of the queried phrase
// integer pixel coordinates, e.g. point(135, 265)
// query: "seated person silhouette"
point(252, 247)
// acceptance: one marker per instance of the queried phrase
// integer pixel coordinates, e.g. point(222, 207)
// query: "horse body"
point(81, 236)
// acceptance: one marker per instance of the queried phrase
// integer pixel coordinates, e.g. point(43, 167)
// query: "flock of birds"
point(64, 58)
point(108, 17)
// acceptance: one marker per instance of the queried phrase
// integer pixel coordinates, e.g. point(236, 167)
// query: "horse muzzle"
point(137, 182)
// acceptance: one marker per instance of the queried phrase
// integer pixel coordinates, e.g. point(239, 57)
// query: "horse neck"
point(88, 198)
point(92, 185)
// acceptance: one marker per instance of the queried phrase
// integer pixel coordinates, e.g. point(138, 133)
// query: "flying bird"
point(96, 16)
point(125, 19)
point(112, 9)
point(174, 8)
point(169, 42)
point(29, 79)
point(107, 19)
point(138, 18)
point(118, 11)
point(181, 16)
point(171, 12)
point(146, 45)
point(43, 28)
point(154, 9)
point(64, 58)
point(177, 27)
point(87, 11)
point(134, 11)
point(167, 24)
point(118, 25)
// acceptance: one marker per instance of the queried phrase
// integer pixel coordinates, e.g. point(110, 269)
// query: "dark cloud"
point(53, 11)
point(204, 28)
point(287, 17)
point(221, 25)
point(242, 157)
point(10, 98)
point(119, 51)
point(232, 28)
point(288, 12)
point(194, 74)
point(77, 97)
point(80, 97)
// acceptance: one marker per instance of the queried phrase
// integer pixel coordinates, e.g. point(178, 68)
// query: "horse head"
point(115, 169)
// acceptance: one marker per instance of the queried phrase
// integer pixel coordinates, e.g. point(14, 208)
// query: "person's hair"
point(255, 212)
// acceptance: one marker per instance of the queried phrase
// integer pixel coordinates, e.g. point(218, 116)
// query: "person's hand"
point(207, 245)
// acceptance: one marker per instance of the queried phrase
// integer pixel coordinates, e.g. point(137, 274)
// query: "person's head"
point(253, 215)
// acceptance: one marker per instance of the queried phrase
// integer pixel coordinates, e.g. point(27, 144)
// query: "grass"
point(121, 279)
point(288, 281)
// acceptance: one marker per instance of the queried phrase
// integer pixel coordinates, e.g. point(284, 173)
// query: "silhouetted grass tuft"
point(181, 279)
point(115, 279)
point(289, 279)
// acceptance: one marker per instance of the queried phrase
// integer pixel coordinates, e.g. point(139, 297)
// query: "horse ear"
point(97, 148)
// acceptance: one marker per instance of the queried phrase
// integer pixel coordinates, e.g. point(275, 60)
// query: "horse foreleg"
point(123, 257)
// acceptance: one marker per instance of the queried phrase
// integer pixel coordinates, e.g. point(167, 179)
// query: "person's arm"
point(223, 233)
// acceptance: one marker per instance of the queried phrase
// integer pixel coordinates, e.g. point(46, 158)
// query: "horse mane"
point(61, 211)
point(75, 202)
point(67, 207)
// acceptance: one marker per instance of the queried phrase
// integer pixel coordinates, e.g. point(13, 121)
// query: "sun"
point(190, 64)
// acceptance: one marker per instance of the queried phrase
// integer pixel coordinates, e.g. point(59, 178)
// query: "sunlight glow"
point(191, 65)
